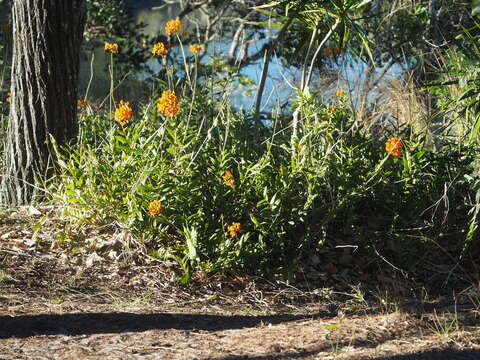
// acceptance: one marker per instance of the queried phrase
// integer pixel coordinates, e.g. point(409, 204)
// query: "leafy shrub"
point(194, 179)
point(333, 185)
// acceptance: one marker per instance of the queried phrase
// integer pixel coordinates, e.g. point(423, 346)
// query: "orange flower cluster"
point(173, 26)
point(82, 103)
point(195, 48)
point(394, 146)
point(340, 93)
point(228, 179)
point(123, 112)
point(155, 208)
point(9, 97)
point(331, 108)
point(112, 48)
point(330, 51)
point(159, 49)
point(167, 104)
point(234, 229)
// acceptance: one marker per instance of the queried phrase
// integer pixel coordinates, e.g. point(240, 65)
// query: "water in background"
point(282, 79)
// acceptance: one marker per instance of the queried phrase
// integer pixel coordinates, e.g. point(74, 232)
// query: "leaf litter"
point(89, 294)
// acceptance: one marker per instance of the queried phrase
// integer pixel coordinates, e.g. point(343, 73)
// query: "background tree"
point(47, 37)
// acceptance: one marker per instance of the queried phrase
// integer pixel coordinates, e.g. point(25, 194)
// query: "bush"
point(332, 185)
point(192, 178)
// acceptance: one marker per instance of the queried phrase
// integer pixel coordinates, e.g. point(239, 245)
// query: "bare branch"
point(268, 54)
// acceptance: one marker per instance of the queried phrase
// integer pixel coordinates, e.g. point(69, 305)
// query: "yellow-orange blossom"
point(113, 48)
point(394, 146)
point(167, 104)
point(173, 26)
point(155, 207)
point(228, 179)
point(82, 103)
point(159, 49)
point(234, 229)
point(195, 48)
point(123, 112)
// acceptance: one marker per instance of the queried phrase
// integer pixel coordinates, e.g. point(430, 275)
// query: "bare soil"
point(61, 301)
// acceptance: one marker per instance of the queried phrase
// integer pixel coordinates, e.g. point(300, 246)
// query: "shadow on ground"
point(98, 323)
point(101, 323)
point(446, 354)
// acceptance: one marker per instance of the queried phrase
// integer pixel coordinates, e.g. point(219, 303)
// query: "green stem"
point(112, 99)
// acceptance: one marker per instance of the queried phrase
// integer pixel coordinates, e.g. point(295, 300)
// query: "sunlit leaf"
point(266, 24)
point(475, 7)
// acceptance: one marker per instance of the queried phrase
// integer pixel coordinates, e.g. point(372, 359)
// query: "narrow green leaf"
point(475, 7)
point(266, 24)
point(467, 94)
point(476, 128)
point(121, 139)
point(332, 327)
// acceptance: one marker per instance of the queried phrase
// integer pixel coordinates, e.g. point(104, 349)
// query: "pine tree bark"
point(47, 35)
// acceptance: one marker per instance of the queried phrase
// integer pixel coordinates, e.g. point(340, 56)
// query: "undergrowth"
point(211, 187)
point(230, 204)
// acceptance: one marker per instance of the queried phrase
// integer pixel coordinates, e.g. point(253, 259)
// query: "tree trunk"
point(47, 36)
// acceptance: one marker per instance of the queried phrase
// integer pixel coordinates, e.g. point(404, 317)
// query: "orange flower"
point(9, 97)
point(331, 108)
point(155, 208)
point(340, 93)
point(195, 48)
point(173, 26)
point(328, 52)
point(234, 229)
point(123, 112)
point(167, 104)
point(112, 48)
point(82, 103)
point(228, 179)
point(394, 146)
point(159, 49)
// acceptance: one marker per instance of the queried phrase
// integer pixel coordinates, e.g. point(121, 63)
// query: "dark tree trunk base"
point(47, 37)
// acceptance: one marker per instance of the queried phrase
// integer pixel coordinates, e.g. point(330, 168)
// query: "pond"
point(154, 14)
point(345, 72)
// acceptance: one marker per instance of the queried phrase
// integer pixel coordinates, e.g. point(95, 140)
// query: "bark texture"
point(47, 37)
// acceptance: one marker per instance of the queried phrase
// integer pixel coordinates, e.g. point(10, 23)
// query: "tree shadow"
point(97, 323)
point(445, 354)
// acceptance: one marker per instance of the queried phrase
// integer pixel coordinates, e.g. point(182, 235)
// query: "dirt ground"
point(57, 302)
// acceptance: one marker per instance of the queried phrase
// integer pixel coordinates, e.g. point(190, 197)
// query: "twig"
point(266, 62)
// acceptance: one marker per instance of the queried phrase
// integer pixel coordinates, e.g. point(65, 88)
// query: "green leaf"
point(255, 221)
point(121, 139)
point(476, 128)
point(475, 7)
point(360, 4)
point(62, 163)
point(467, 94)
point(332, 327)
point(266, 24)
point(155, 255)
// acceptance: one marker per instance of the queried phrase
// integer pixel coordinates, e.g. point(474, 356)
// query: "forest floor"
point(58, 301)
